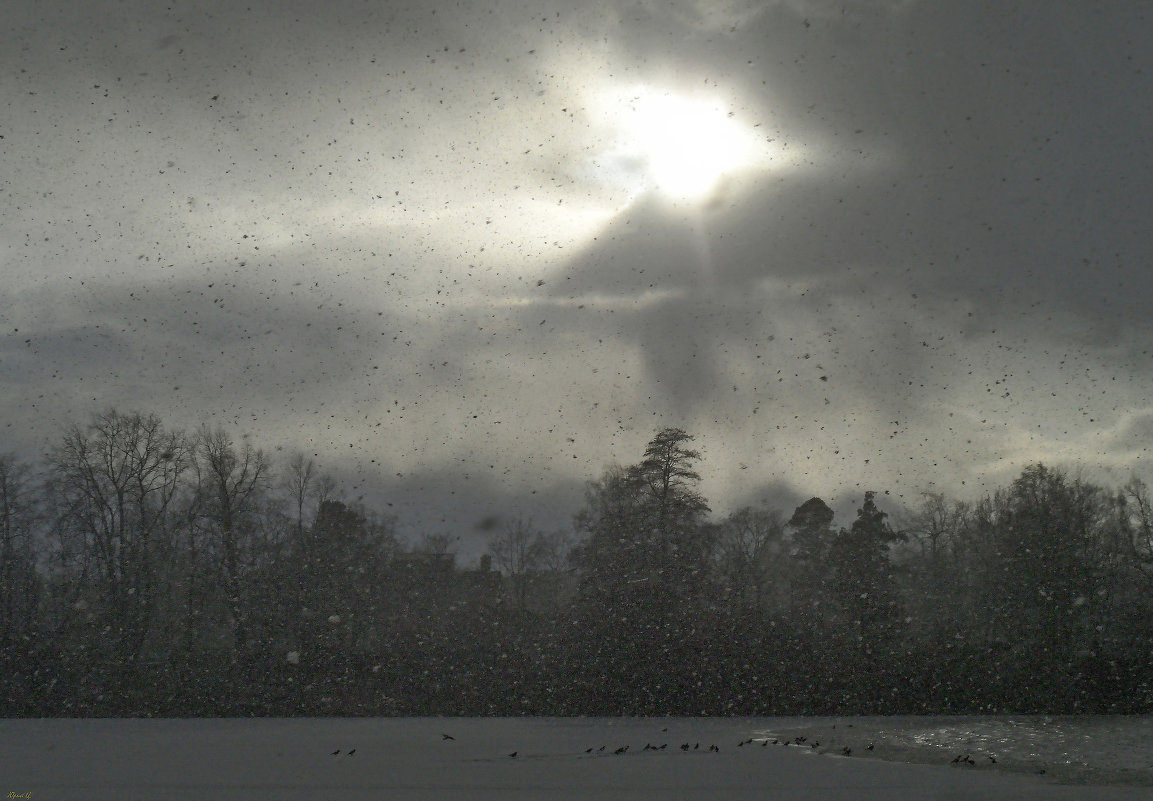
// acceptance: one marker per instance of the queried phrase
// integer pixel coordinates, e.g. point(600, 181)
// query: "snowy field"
point(410, 758)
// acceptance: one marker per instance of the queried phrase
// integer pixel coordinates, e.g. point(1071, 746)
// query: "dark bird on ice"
point(353, 751)
point(334, 753)
point(513, 755)
point(447, 737)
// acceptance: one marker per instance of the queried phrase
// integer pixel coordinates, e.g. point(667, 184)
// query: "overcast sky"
point(447, 248)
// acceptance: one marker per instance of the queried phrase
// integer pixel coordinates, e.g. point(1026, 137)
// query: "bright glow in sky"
point(682, 146)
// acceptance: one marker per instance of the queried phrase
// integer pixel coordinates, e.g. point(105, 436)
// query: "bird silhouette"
point(513, 755)
point(334, 753)
point(353, 751)
point(447, 737)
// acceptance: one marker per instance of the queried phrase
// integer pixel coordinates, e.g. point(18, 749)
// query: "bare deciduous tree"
point(299, 475)
point(746, 540)
point(115, 482)
point(307, 488)
point(1136, 494)
point(230, 482)
point(517, 552)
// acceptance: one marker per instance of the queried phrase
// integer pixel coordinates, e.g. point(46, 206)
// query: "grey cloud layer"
point(303, 221)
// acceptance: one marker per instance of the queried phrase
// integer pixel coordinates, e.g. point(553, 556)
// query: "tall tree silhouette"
point(645, 577)
point(676, 509)
point(812, 539)
point(644, 523)
point(862, 574)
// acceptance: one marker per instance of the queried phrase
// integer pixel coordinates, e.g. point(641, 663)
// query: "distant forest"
point(146, 571)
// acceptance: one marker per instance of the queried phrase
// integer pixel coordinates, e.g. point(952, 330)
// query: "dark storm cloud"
point(777, 494)
point(1016, 154)
point(955, 151)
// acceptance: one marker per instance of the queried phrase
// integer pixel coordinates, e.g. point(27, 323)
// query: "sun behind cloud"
point(678, 145)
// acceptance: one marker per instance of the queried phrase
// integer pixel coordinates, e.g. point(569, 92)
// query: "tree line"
point(147, 571)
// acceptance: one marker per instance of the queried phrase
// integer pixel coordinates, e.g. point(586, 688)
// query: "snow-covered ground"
point(409, 758)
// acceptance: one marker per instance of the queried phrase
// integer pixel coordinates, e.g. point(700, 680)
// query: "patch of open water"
point(1106, 749)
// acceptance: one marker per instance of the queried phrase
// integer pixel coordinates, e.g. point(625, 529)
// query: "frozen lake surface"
point(391, 759)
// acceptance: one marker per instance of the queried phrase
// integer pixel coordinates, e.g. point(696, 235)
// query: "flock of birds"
point(798, 741)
